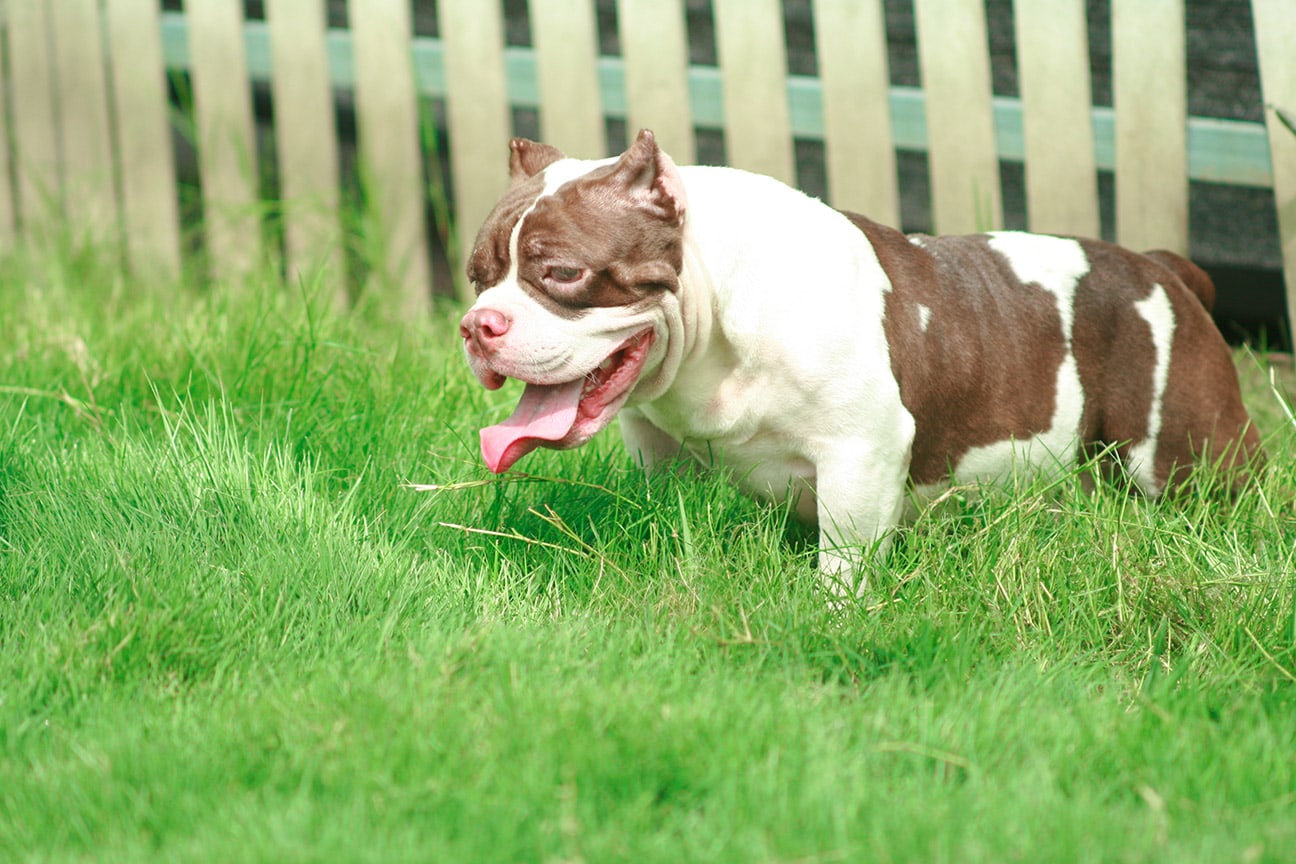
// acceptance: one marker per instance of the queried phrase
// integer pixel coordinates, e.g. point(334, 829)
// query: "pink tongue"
point(546, 412)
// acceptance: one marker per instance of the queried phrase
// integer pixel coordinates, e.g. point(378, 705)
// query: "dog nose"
point(481, 328)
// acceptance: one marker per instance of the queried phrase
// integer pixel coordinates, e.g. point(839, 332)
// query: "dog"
point(831, 362)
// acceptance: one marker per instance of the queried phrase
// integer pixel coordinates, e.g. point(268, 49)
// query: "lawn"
point(260, 601)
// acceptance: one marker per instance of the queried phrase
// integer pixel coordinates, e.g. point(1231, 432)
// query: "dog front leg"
point(860, 496)
point(646, 443)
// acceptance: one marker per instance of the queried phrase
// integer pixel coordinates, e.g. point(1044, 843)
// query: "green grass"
point(231, 630)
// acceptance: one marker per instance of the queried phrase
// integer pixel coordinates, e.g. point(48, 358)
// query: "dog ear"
point(652, 179)
point(528, 158)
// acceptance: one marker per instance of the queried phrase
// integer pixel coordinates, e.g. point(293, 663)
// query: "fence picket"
point(753, 65)
point(1150, 98)
point(1053, 77)
point(565, 35)
point(953, 56)
point(35, 124)
point(1275, 29)
point(306, 142)
point(654, 46)
point(8, 218)
point(150, 213)
point(477, 112)
point(227, 159)
point(83, 119)
point(850, 41)
point(388, 126)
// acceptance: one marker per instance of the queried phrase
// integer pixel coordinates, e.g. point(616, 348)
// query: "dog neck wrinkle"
point(697, 299)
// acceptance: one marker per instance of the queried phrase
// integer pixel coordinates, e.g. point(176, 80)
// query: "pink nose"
point(482, 329)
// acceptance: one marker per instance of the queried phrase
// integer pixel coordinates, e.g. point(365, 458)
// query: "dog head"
point(577, 275)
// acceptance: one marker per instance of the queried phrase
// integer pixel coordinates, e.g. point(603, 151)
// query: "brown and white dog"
point(826, 358)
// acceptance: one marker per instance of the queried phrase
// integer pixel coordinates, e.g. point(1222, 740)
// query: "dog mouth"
point(563, 416)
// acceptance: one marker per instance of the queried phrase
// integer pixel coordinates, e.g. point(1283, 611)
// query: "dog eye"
point(566, 275)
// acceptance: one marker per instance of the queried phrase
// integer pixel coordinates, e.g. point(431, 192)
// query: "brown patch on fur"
point(619, 225)
point(587, 225)
point(1114, 351)
point(489, 261)
point(1202, 415)
point(984, 369)
point(528, 158)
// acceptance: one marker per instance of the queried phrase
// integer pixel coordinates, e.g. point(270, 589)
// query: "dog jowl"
point(829, 360)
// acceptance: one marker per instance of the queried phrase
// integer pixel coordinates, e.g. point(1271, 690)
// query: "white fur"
point(566, 170)
point(924, 317)
point(763, 389)
point(1158, 313)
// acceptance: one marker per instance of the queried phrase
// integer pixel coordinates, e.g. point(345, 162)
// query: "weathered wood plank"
point(306, 144)
point(8, 214)
point(565, 35)
point(388, 125)
point(850, 38)
point(477, 111)
point(1150, 98)
point(1053, 77)
point(954, 60)
point(35, 120)
point(753, 64)
point(150, 213)
point(83, 118)
point(654, 46)
point(1275, 29)
point(227, 158)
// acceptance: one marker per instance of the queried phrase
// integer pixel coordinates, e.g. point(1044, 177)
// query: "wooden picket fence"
point(90, 126)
